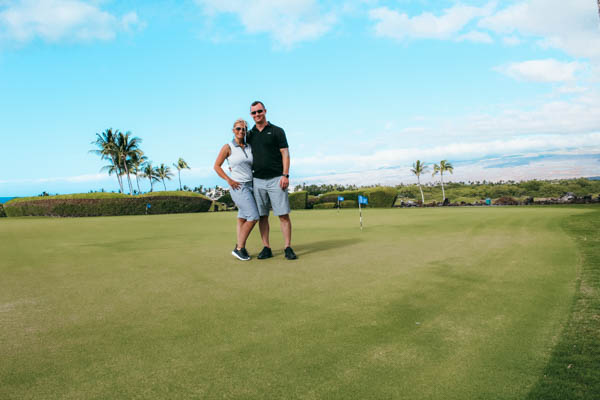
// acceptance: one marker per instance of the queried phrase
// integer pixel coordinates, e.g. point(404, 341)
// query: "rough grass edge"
point(573, 370)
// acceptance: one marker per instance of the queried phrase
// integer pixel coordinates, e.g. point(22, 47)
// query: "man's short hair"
point(258, 102)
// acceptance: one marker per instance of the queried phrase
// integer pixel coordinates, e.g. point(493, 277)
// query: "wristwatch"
point(287, 175)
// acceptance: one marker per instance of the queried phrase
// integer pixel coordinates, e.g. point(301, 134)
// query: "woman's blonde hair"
point(240, 121)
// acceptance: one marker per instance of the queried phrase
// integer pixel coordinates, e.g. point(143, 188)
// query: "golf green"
point(458, 303)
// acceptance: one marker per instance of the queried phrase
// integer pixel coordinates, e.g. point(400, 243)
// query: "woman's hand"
point(234, 184)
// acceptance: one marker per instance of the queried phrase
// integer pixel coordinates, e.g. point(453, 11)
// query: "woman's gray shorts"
point(244, 200)
point(268, 194)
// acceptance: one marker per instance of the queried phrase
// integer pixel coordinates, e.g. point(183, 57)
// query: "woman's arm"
point(223, 154)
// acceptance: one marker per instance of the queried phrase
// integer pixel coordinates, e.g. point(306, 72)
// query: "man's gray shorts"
point(268, 194)
point(243, 197)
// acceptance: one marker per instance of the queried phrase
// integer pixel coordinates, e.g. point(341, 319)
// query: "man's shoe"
point(289, 254)
point(265, 253)
point(240, 255)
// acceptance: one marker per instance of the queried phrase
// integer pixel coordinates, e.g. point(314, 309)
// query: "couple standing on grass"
point(259, 162)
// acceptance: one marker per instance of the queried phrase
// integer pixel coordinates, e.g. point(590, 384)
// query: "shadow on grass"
point(302, 249)
point(573, 371)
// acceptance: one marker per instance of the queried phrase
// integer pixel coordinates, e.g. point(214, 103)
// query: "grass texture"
point(461, 303)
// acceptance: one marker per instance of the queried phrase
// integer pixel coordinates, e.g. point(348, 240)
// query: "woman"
point(239, 156)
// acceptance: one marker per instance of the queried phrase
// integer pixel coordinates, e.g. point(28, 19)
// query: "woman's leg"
point(244, 229)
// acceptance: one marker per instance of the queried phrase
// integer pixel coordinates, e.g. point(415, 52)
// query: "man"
point(271, 178)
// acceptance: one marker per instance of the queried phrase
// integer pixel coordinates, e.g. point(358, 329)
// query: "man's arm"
point(285, 158)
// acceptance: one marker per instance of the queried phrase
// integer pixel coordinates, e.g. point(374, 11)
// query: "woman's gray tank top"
point(240, 162)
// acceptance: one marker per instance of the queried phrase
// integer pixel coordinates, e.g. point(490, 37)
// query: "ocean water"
point(5, 199)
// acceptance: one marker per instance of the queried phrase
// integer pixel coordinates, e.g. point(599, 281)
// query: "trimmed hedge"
point(311, 201)
point(227, 200)
point(324, 205)
point(2, 213)
point(349, 204)
point(298, 200)
point(107, 205)
point(380, 196)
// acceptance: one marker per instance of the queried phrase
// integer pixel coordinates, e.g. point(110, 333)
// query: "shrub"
point(298, 200)
point(506, 201)
point(324, 205)
point(349, 204)
point(226, 199)
point(2, 213)
point(61, 206)
point(331, 197)
point(311, 201)
point(381, 196)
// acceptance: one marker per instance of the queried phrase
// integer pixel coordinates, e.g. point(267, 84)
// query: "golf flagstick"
point(360, 213)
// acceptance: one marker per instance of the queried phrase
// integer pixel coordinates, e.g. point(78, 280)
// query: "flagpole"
point(360, 212)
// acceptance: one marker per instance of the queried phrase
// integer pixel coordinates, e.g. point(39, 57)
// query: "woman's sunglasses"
point(238, 128)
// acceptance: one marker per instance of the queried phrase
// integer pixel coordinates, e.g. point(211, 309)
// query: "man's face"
point(258, 113)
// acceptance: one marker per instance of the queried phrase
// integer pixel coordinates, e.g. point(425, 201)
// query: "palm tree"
point(127, 147)
point(418, 169)
point(148, 171)
point(598, 7)
point(443, 167)
point(181, 164)
point(107, 150)
point(136, 166)
point(163, 172)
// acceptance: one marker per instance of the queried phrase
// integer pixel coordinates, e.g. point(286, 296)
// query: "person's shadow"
point(323, 245)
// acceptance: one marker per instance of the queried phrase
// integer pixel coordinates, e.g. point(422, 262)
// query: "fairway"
point(452, 303)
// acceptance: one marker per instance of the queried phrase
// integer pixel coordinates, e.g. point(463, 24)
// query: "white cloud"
point(571, 26)
point(548, 70)
point(397, 25)
point(511, 40)
point(475, 36)
point(287, 21)
point(54, 20)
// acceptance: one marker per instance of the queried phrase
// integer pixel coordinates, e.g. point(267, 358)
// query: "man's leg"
point(263, 226)
point(286, 229)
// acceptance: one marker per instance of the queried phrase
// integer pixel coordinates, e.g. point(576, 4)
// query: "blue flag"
point(363, 200)
point(340, 198)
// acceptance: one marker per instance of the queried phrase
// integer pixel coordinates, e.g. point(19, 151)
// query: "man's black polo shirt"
point(266, 145)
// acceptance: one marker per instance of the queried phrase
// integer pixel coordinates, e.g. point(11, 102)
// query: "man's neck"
point(260, 127)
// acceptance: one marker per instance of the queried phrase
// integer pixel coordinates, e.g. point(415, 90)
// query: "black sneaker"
point(240, 254)
point(265, 253)
point(289, 254)
point(245, 252)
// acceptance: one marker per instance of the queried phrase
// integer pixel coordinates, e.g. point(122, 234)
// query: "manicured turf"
point(458, 303)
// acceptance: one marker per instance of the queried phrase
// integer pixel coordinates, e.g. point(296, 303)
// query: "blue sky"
point(363, 88)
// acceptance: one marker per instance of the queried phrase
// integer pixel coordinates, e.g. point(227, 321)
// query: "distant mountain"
point(594, 178)
point(5, 199)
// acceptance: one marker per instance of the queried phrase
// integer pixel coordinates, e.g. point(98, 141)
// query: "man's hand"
point(284, 183)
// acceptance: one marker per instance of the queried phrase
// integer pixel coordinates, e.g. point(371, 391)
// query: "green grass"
point(458, 303)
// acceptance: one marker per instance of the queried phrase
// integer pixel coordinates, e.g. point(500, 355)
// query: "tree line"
point(126, 158)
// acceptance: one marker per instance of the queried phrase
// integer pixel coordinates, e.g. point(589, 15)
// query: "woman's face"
point(239, 131)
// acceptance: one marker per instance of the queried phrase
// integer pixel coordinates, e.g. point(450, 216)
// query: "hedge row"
point(324, 205)
point(2, 213)
point(298, 200)
point(380, 197)
point(73, 207)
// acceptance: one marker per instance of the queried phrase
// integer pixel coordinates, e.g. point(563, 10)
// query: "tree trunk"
point(179, 173)
point(151, 185)
point(163, 181)
point(422, 197)
point(137, 180)
point(118, 173)
point(442, 180)
point(128, 177)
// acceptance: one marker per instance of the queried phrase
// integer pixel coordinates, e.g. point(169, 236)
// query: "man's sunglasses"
point(238, 128)
point(257, 112)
